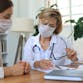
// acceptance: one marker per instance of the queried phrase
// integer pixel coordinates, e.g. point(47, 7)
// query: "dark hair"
point(5, 4)
point(52, 13)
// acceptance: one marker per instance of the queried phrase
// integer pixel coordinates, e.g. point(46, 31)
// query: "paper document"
point(80, 68)
point(54, 68)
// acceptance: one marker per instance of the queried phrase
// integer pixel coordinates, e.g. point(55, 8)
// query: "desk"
point(33, 77)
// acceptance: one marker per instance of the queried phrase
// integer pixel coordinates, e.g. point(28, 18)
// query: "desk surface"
point(33, 77)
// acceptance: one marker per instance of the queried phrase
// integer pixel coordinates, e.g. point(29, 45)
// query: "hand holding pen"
point(43, 64)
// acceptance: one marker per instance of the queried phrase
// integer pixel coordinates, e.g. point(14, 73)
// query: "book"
point(68, 75)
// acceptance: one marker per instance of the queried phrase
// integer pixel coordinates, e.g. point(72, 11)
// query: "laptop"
point(68, 75)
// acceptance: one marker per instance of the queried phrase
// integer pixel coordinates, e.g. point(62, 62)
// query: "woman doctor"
point(48, 49)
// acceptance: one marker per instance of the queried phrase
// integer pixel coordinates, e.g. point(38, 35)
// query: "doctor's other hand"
point(72, 54)
point(43, 64)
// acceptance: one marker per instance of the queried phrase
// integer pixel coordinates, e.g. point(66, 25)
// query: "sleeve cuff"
point(1, 72)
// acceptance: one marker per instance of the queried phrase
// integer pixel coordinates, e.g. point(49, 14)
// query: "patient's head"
point(5, 14)
point(5, 9)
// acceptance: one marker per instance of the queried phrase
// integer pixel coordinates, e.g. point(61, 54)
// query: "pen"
point(58, 66)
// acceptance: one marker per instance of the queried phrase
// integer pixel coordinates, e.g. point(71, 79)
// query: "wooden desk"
point(33, 77)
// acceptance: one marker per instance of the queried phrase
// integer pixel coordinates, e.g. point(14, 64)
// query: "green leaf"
point(54, 5)
point(71, 21)
point(80, 22)
point(36, 30)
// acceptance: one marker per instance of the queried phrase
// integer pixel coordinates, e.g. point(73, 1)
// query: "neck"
point(45, 42)
point(43, 39)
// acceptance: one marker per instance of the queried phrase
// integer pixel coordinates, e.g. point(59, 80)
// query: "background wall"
point(27, 8)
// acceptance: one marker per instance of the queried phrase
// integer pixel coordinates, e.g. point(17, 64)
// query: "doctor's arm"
point(28, 53)
point(70, 52)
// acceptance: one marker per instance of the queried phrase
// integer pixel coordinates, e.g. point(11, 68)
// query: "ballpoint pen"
point(58, 66)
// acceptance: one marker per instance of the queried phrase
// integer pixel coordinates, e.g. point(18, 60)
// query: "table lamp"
point(21, 25)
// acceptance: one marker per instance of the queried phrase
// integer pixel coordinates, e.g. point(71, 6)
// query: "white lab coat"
point(1, 69)
point(34, 52)
point(1, 66)
point(1, 72)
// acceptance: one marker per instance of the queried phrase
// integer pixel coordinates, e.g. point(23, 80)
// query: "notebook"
point(69, 75)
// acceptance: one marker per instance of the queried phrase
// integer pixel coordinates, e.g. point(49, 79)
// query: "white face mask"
point(5, 25)
point(45, 30)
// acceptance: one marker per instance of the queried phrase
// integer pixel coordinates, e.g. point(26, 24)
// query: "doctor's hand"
point(72, 54)
point(43, 64)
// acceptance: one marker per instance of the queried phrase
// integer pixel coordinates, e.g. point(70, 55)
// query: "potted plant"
point(78, 27)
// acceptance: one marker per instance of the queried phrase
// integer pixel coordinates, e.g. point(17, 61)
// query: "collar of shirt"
point(53, 40)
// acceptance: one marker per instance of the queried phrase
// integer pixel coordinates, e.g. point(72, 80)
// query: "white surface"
point(63, 78)
point(70, 75)
point(55, 68)
point(1, 73)
point(22, 25)
point(80, 68)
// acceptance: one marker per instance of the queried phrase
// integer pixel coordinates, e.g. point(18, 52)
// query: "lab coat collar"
point(53, 40)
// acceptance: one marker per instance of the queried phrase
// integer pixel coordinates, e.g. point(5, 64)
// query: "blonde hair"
point(52, 13)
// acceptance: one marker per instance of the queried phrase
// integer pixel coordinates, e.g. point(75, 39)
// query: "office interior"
point(70, 9)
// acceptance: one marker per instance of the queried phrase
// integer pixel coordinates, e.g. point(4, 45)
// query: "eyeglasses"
point(57, 58)
point(52, 57)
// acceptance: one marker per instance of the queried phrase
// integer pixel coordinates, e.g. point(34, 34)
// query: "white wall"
point(27, 8)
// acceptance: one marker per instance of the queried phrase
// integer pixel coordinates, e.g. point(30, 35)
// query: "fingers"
point(27, 68)
point(17, 69)
point(71, 54)
point(46, 64)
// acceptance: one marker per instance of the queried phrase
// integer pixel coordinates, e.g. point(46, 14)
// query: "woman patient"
point(5, 23)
